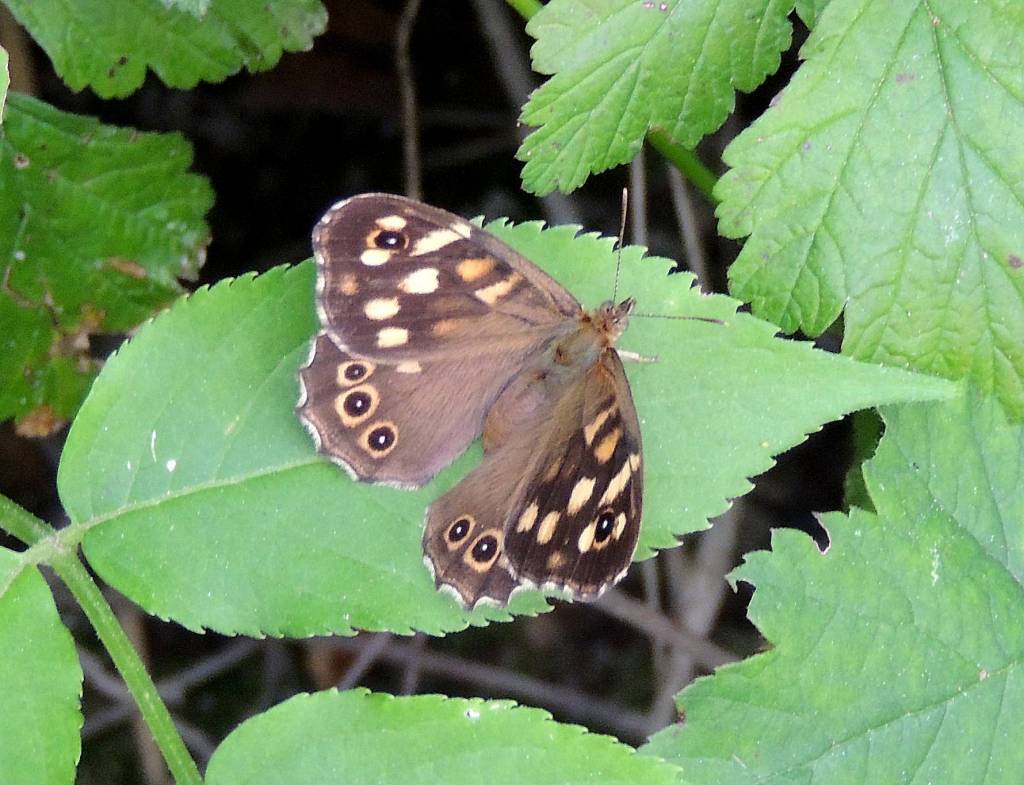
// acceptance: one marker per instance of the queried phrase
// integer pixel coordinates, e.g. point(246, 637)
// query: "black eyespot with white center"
point(605, 526)
point(485, 549)
point(389, 240)
point(459, 529)
point(357, 403)
point(381, 438)
point(355, 371)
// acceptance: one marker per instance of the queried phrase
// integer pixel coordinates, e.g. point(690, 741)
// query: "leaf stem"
point(130, 666)
point(65, 562)
point(18, 521)
point(526, 8)
point(686, 161)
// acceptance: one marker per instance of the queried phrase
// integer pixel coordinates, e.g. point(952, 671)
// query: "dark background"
point(279, 148)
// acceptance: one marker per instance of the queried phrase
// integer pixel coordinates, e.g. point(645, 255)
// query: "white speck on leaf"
point(472, 714)
point(171, 464)
point(152, 445)
point(935, 565)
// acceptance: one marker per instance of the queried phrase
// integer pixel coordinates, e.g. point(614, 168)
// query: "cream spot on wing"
point(528, 518)
point(391, 223)
point(620, 525)
point(374, 257)
point(581, 494)
point(616, 485)
point(634, 461)
point(444, 327)
point(555, 560)
point(349, 284)
point(421, 281)
point(410, 366)
point(381, 308)
point(590, 431)
point(462, 229)
point(434, 241)
point(547, 527)
point(392, 336)
point(470, 270)
point(586, 538)
point(606, 447)
point(491, 294)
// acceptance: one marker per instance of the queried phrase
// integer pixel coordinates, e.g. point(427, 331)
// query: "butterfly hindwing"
point(395, 424)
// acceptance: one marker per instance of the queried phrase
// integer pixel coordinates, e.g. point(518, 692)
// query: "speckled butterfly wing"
point(572, 449)
point(400, 280)
point(425, 320)
point(429, 421)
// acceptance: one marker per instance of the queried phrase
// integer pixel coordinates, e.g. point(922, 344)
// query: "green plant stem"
point(526, 8)
point(21, 523)
point(26, 527)
point(687, 162)
point(128, 664)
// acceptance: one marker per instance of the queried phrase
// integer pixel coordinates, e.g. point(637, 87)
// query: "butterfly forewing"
point(579, 515)
point(400, 280)
point(556, 500)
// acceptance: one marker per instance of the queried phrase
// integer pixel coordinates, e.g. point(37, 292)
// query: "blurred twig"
point(696, 260)
point(503, 681)
point(516, 79)
point(407, 91)
point(636, 614)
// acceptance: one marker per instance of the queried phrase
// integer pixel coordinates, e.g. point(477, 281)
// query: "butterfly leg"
point(635, 357)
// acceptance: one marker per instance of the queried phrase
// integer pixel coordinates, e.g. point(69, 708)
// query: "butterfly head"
point(611, 319)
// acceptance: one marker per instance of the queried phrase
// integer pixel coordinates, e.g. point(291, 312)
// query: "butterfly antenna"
point(622, 236)
point(688, 318)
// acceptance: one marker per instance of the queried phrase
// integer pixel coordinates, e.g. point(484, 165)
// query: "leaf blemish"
point(1016, 262)
point(904, 78)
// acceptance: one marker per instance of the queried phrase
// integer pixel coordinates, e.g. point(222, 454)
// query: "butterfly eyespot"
point(353, 371)
point(388, 240)
point(459, 529)
point(486, 549)
point(380, 438)
point(605, 525)
point(358, 403)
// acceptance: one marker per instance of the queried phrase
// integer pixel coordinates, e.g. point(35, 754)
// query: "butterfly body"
point(434, 333)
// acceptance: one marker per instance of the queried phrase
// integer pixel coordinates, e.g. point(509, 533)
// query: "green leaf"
point(810, 10)
point(886, 181)
point(108, 44)
point(623, 67)
point(97, 224)
point(200, 495)
point(197, 8)
point(899, 653)
point(359, 736)
point(40, 682)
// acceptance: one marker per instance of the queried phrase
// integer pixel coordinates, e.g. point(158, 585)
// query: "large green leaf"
point(887, 180)
point(108, 44)
point(203, 500)
point(96, 226)
point(358, 736)
point(623, 67)
point(40, 682)
point(899, 653)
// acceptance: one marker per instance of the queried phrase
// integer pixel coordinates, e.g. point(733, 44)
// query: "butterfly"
point(434, 333)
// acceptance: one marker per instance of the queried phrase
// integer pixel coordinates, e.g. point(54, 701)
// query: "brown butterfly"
point(434, 332)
